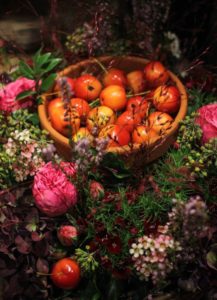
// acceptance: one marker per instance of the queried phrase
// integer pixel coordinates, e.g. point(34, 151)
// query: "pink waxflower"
point(68, 168)
point(207, 120)
point(9, 93)
point(54, 193)
point(67, 234)
point(96, 190)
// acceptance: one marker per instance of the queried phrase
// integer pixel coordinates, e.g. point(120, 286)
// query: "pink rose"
point(67, 234)
point(53, 192)
point(9, 93)
point(207, 120)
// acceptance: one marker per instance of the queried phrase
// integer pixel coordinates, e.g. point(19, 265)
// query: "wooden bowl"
point(137, 155)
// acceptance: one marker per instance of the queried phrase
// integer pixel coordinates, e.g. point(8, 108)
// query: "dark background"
point(194, 21)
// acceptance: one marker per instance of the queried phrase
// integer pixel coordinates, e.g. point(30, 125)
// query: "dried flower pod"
point(67, 234)
point(96, 190)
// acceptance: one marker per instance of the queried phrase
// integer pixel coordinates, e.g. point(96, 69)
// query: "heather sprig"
point(66, 91)
point(88, 155)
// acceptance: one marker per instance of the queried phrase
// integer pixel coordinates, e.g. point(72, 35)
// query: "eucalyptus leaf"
point(25, 94)
point(26, 70)
point(48, 82)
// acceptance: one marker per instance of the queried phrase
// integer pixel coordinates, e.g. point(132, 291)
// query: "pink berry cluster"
point(152, 255)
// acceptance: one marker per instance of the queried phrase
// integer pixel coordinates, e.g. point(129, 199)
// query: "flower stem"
point(101, 65)
point(139, 94)
point(94, 103)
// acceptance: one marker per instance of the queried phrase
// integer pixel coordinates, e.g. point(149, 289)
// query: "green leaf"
point(116, 166)
point(71, 219)
point(96, 296)
point(26, 70)
point(25, 94)
point(114, 290)
point(34, 119)
point(52, 65)
point(41, 60)
point(48, 82)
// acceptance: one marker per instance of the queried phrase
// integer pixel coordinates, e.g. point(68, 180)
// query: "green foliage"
point(197, 99)
point(200, 159)
point(40, 71)
point(20, 120)
point(86, 260)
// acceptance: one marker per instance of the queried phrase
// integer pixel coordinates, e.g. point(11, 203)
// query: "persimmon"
point(166, 99)
point(129, 120)
point(87, 87)
point(136, 81)
point(160, 122)
point(142, 135)
point(82, 132)
point(155, 74)
point(118, 135)
point(63, 122)
point(138, 104)
point(113, 96)
point(115, 76)
point(81, 106)
point(99, 117)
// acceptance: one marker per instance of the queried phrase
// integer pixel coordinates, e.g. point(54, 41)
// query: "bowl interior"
point(126, 63)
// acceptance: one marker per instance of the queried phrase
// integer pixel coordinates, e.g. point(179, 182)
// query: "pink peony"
point(9, 93)
point(54, 193)
point(207, 120)
point(67, 234)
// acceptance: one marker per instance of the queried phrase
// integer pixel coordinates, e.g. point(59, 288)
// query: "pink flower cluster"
point(207, 120)
point(25, 155)
point(151, 254)
point(53, 192)
point(9, 93)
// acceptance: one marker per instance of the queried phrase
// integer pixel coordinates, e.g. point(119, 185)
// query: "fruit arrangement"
point(132, 107)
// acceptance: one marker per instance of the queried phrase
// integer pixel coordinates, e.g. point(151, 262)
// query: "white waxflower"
point(136, 250)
